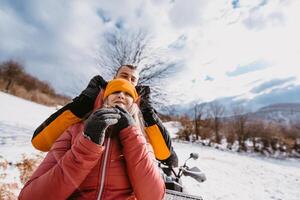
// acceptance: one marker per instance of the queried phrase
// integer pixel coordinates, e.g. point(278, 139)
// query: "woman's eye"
point(127, 94)
point(116, 92)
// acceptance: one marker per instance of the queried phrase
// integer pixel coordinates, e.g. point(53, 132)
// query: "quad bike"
point(174, 187)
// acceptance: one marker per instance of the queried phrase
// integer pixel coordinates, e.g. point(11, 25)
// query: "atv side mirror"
point(195, 156)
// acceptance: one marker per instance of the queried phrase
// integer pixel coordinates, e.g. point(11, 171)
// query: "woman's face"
point(122, 99)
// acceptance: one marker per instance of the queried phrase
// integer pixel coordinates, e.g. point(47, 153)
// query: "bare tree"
point(121, 49)
point(216, 111)
point(187, 127)
point(135, 48)
point(255, 129)
point(199, 111)
point(240, 118)
point(229, 131)
point(10, 71)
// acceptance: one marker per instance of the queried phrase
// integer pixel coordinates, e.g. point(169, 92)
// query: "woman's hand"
point(125, 120)
point(97, 123)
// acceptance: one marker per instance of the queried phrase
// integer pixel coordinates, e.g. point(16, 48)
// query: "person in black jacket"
point(82, 106)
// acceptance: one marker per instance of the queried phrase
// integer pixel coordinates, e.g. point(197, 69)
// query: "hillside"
point(16, 81)
point(18, 120)
point(286, 113)
point(229, 175)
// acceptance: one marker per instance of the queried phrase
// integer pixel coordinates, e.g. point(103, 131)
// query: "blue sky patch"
point(104, 16)
point(119, 23)
point(179, 43)
point(209, 78)
point(288, 94)
point(235, 3)
point(271, 83)
point(254, 66)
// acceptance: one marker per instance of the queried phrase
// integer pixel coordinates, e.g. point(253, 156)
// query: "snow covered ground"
point(234, 176)
point(18, 120)
point(229, 175)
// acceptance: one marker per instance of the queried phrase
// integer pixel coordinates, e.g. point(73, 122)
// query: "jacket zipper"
point(102, 178)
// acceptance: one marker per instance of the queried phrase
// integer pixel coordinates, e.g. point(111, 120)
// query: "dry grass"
point(6, 188)
point(26, 167)
point(6, 191)
point(14, 80)
point(36, 96)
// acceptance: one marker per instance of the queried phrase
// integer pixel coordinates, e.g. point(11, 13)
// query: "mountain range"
point(283, 113)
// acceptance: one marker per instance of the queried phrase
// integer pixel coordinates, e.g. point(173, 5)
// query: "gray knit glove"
point(125, 120)
point(97, 123)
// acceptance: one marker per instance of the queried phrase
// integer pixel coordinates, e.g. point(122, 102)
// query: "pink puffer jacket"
point(77, 168)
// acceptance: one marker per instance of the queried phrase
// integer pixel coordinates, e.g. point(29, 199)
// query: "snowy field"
point(234, 176)
point(229, 175)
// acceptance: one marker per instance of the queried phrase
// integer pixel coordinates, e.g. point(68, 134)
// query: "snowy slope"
point(229, 175)
point(18, 120)
point(25, 113)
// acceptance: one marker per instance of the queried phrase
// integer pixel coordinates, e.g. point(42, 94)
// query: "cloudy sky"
point(234, 49)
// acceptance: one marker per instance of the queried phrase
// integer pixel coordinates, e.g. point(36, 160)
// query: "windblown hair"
point(136, 113)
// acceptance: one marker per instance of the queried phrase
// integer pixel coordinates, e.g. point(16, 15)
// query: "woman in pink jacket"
point(106, 157)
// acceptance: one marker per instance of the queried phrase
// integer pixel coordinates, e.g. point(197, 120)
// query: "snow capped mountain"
point(283, 107)
point(285, 113)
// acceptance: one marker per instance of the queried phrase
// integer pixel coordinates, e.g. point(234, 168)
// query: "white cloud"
point(52, 37)
point(185, 14)
point(222, 46)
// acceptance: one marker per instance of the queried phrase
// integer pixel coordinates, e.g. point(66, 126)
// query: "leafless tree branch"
point(135, 48)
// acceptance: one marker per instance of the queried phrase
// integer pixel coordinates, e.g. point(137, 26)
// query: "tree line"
point(239, 130)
